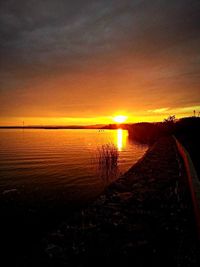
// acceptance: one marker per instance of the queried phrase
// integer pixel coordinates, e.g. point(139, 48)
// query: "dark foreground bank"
point(144, 219)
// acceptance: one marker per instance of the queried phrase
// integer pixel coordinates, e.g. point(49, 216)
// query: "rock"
point(5, 192)
point(125, 196)
point(53, 250)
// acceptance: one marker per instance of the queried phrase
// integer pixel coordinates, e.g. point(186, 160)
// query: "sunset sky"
point(85, 61)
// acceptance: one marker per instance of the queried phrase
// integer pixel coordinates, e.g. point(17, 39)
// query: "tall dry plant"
point(107, 162)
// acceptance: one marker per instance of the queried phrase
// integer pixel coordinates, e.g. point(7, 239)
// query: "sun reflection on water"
point(121, 139)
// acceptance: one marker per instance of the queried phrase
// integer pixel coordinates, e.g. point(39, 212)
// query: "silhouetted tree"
point(170, 119)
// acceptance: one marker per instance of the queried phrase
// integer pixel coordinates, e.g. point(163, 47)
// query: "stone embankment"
point(144, 219)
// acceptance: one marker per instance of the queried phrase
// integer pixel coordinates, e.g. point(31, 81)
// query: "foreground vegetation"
point(107, 163)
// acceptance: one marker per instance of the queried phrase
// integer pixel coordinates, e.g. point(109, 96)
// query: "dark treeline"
point(148, 133)
point(186, 130)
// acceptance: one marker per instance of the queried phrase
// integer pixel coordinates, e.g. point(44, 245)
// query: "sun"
point(120, 118)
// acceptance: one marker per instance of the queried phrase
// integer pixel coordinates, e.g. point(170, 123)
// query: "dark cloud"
point(42, 31)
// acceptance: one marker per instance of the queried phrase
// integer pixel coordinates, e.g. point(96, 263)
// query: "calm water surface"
point(42, 163)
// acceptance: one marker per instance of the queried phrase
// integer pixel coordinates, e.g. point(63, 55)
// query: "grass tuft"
point(107, 161)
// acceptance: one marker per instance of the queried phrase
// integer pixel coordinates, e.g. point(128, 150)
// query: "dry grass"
point(107, 161)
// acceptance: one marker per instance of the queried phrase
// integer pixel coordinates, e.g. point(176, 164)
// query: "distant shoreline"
point(98, 127)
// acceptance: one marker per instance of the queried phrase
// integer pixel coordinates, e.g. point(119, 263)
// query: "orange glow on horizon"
point(131, 117)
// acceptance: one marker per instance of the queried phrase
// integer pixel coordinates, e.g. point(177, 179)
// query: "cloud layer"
point(90, 58)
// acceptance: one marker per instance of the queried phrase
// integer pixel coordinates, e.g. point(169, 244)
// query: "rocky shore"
point(143, 219)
